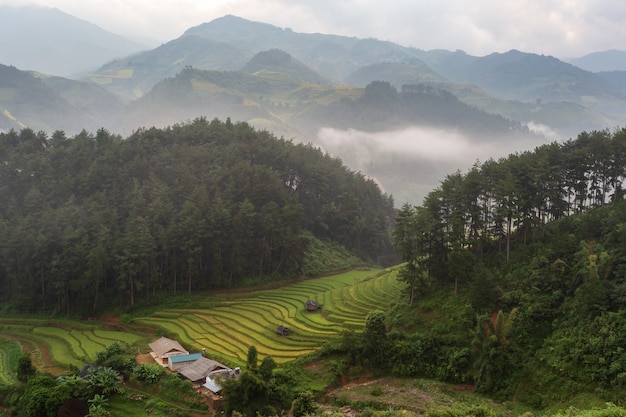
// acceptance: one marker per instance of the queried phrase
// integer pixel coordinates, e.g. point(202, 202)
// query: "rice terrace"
point(224, 325)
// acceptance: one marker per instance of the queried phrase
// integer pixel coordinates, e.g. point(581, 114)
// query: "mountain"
point(48, 40)
point(331, 55)
point(427, 112)
point(227, 43)
point(133, 76)
point(611, 60)
point(517, 75)
point(53, 103)
point(280, 63)
point(530, 88)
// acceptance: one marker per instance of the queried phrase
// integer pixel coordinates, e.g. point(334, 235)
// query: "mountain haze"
point(50, 41)
point(602, 61)
point(426, 113)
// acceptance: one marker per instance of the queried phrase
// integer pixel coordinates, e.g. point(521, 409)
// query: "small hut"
point(283, 331)
point(312, 305)
point(163, 349)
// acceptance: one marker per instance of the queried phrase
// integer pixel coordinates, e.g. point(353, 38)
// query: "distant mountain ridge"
point(48, 40)
point(302, 86)
point(601, 61)
point(53, 103)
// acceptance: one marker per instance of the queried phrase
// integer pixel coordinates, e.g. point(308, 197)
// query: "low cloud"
point(429, 144)
point(411, 162)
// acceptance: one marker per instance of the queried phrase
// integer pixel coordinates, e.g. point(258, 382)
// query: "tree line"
point(499, 204)
point(96, 219)
point(530, 252)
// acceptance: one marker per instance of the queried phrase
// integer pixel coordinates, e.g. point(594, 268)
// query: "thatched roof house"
point(312, 305)
point(162, 349)
point(199, 369)
point(283, 331)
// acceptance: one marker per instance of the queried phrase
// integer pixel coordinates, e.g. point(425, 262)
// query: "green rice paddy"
point(226, 329)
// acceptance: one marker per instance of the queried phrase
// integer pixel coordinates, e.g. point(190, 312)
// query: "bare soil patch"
point(144, 358)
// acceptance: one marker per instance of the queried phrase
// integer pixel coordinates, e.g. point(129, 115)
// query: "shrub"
point(148, 373)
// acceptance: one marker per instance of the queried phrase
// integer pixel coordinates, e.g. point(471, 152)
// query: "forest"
point(526, 255)
point(97, 221)
point(514, 270)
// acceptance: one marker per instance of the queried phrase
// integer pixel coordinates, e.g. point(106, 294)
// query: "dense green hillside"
point(525, 258)
point(93, 221)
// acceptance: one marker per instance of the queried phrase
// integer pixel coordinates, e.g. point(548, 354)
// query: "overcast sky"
point(562, 28)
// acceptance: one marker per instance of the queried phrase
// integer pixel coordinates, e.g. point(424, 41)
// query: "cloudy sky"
point(562, 28)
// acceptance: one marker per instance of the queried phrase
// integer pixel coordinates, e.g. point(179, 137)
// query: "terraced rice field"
point(9, 355)
point(56, 346)
point(227, 329)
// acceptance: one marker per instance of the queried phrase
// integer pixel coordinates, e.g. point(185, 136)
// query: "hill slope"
point(48, 103)
point(48, 40)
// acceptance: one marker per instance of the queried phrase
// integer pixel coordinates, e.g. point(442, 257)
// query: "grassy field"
point(226, 325)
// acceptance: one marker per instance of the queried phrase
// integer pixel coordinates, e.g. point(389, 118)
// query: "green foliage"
point(97, 407)
point(247, 394)
point(25, 368)
point(462, 411)
point(410, 238)
point(148, 373)
point(104, 380)
point(252, 359)
point(38, 399)
point(304, 405)
point(611, 410)
point(183, 209)
point(268, 364)
point(494, 364)
point(375, 337)
point(117, 355)
point(322, 256)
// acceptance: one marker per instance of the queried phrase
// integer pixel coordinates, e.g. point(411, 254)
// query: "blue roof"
point(185, 358)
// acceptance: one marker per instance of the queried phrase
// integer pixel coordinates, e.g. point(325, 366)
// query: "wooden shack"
point(283, 331)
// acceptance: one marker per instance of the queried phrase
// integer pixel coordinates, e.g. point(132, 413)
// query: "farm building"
point(180, 361)
point(213, 379)
point(163, 349)
point(283, 331)
point(199, 369)
point(312, 305)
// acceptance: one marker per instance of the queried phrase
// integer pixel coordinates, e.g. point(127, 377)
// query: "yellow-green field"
point(226, 329)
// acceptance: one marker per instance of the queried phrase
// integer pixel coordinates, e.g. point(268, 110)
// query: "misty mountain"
point(277, 64)
point(617, 80)
point(521, 76)
point(228, 43)
point(332, 56)
point(425, 113)
point(526, 87)
point(602, 61)
point(48, 40)
point(397, 73)
point(53, 103)
point(387, 134)
point(133, 76)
